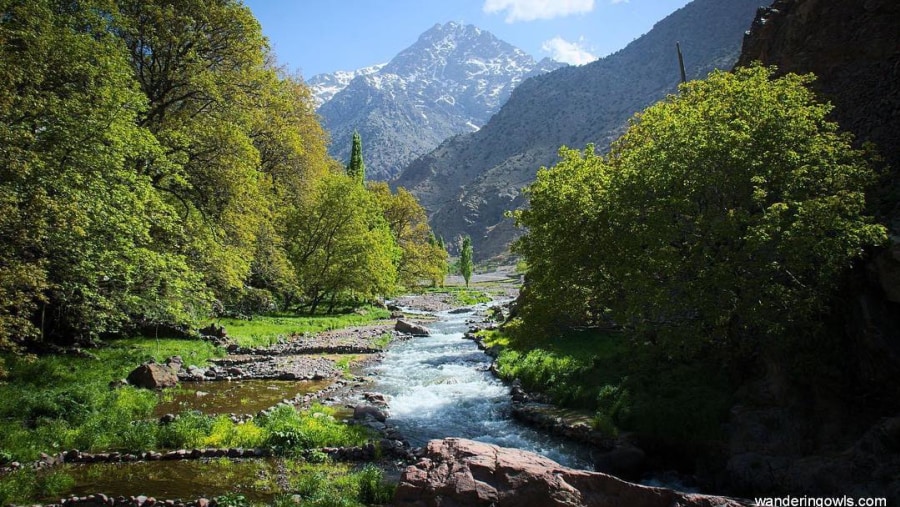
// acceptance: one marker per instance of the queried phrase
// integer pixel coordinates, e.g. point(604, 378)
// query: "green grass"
point(572, 369)
point(343, 363)
point(264, 331)
point(463, 296)
point(337, 485)
point(25, 485)
point(291, 431)
point(54, 403)
point(604, 373)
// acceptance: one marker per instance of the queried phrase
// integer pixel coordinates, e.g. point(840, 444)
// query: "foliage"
point(372, 488)
point(224, 434)
point(187, 431)
point(78, 220)
point(337, 485)
point(725, 214)
point(290, 431)
point(422, 257)
point(466, 259)
point(232, 500)
point(356, 168)
point(341, 243)
point(153, 161)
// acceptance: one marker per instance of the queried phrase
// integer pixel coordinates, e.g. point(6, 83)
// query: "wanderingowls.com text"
point(807, 501)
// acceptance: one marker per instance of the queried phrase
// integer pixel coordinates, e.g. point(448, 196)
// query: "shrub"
point(372, 488)
point(187, 430)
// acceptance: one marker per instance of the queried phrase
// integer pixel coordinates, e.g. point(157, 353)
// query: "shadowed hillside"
point(469, 181)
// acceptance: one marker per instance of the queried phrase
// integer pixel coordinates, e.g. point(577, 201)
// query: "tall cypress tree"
point(465, 259)
point(356, 169)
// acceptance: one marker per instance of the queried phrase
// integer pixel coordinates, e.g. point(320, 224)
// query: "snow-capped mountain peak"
point(325, 86)
point(450, 81)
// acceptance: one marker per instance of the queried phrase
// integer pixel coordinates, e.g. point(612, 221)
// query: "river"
point(440, 386)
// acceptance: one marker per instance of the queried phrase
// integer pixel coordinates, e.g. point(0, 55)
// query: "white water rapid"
point(440, 386)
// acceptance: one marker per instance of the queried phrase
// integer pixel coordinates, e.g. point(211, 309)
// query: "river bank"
point(402, 392)
point(323, 367)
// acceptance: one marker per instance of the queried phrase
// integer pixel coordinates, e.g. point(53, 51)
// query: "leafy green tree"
point(79, 257)
point(340, 243)
point(466, 259)
point(568, 282)
point(356, 169)
point(202, 67)
point(725, 214)
point(421, 258)
point(292, 148)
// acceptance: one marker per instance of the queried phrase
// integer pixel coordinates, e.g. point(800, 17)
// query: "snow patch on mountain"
point(451, 81)
point(325, 86)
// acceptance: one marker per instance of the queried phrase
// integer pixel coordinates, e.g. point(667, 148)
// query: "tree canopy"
point(156, 166)
point(341, 242)
point(420, 257)
point(726, 213)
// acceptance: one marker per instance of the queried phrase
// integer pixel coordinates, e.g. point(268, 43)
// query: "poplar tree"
point(465, 259)
point(356, 169)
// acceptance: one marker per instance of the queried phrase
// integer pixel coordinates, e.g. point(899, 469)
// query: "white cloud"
point(573, 53)
point(530, 10)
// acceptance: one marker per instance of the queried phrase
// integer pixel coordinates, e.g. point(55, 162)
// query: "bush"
point(186, 431)
point(372, 488)
point(291, 431)
point(232, 500)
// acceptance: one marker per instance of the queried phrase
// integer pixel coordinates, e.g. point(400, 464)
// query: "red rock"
point(152, 376)
point(457, 471)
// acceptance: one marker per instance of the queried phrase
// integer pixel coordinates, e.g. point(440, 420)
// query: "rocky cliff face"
point(853, 48)
point(449, 82)
point(468, 182)
point(837, 432)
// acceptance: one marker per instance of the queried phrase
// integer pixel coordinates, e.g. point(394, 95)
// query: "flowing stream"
point(440, 386)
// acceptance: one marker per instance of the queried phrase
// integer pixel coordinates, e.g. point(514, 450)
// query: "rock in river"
point(410, 328)
point(456, 471)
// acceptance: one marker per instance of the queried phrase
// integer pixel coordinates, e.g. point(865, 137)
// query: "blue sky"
point(315, 36)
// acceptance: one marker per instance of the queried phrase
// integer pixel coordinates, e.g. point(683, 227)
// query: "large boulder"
point(456, 472)
point(369, 412)
point(153, 376)
point(410, 328)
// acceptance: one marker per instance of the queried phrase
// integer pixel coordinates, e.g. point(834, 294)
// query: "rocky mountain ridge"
point(449, 82)
point(325, 86)
point(469, 181)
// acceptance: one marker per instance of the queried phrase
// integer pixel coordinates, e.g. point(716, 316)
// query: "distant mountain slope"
point(325, 86)
point(449, 82)
point(468, 182)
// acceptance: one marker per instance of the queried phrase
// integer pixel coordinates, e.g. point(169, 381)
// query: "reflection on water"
point(255, 479)
point(240, 397)
point(440, 387)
